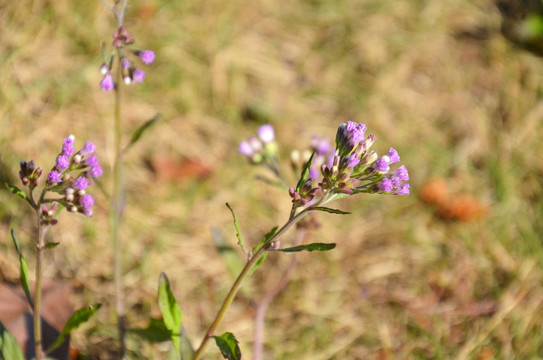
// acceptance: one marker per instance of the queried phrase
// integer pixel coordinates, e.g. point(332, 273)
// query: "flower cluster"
point(29, 174)
point(72, 174)
point(354, 168)
point(130, 72)
point(261, 149)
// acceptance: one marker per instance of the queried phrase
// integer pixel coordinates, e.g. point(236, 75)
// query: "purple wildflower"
point(92, 160)
point(402, 173)
point(403, 190)
point(348, 137)
point(320, 145)
point(81, 183)
point(314, 174)
point(86, 201)
point(147, 56)
point(107, 83)
point(62, 163)
point(393, 156)
point(385, 185)
point(95, 171)
point(54, 177)
point(87, 149)
point(88, 212)
point(68, 146)
point(138, 75)
point(246, 149)
point(381, 165)
point(125, 63)
point(266, 133)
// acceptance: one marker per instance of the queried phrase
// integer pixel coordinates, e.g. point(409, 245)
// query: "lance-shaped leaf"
point(9, 348)
point(23, 270)
point(15, 190)
point(141, 130)
point(330, 210)
point(79, 317)
point(171, 312)
point(51, 245)
point(305, 173)
point(238, 231)
point(265, 239)
point(309, 247)
point(228, 345)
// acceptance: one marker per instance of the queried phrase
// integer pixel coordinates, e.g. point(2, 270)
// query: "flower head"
point(266, 133)
point(138, 75)
point(107, 83)
point(54, 177)
point(81, 183)
point(87, 149)
point(348, 137)
point(147, 56)
point(62, 163)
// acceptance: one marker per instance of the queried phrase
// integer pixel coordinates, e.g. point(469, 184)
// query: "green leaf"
point(155, 331)
point(258, 263)
point(15, 190)
point(141, 130)
point(238, 231)
point(228, 345)
point(305, 173)
point(79, 317)
point(265, 239)
point(330, 210)
point(51, 245)
point(23, 270)
point(310, 247)
point(171, 312)
point(9, 348)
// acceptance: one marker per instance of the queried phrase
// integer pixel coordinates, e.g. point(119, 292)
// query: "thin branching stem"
point(37, 288)
point(115, 215)
point(245, 272)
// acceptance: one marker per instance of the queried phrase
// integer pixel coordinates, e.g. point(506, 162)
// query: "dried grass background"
point(434, 79)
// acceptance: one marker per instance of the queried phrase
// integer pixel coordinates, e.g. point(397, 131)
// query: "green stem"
point(115, 215)
point(241, 278)
point(37, 289)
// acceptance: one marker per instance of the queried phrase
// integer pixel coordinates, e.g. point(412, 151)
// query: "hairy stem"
point(242, 277)
point(115, 215)
point(37, 289)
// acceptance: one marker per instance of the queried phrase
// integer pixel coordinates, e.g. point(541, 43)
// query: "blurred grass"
point(436, 80)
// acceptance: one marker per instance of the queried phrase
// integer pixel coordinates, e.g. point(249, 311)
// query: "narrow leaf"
point(142, 129)
point(238, 231)
point(9, 348)
point(310, 247)
point(258, 263)
point(228, 345)
point(15, 190)
point(305, 173)
point(23, 270)
point(79, 317)
point(171, 312)
point(330, 210)
point(51, 245)
point(265, 239)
